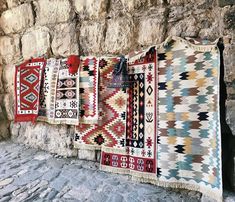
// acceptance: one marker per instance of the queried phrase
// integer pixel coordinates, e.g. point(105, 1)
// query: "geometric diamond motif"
point(31, 78)
point(149, 90)
point(30, 97)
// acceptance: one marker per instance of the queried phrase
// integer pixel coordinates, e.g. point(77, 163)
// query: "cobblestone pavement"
point(32, 175)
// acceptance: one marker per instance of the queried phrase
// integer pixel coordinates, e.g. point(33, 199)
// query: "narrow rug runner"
point(111, 128)
point(48, 91)
point(27, 86)
point(67, 96)
point(138, 156)
point(89, 90)
point(189, 142)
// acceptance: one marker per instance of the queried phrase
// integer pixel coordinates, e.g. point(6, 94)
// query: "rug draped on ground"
point(27, 86)
point(189, 142)
point(138, 156)
point(111, 127)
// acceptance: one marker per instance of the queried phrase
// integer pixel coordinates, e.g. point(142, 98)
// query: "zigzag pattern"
point(188, 136)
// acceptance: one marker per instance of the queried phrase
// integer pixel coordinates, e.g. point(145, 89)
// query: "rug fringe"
point(152, 179)
point(197, 47)
point(86, 146)
point(113, 150)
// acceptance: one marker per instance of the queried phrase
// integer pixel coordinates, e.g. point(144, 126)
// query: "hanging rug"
point(189, 142)
point(27, 86)
point(111, 127)
point(138, 156)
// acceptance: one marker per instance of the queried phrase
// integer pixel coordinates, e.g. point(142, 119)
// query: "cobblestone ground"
point(32, 175)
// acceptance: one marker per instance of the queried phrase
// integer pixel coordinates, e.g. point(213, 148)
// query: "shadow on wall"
point(228, 140)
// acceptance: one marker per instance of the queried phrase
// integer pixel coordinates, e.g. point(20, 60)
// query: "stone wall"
point(58, 28)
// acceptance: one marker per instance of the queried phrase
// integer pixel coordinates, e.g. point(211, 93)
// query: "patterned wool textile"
point(48, 91)
point(89, 90)
point(67, 96)
point(189, 142)
point(27, 86)
point(138, 156)
point(111, 128)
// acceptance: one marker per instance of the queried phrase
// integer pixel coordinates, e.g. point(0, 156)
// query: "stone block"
point(8, 78)
point(53, 11)
point(185, 27)
point(3, 5)
point(152, 29)
point(2, 109)
point(192, 2)
point(4, 130)
point(91, 9)
point(1, 80)
point(230, 115)
point(87, 154)
point(119, 35)
point(64, 42)
point(223, 3)
point(52, 138)
point(14, 3)
point(35, 42)
point(91, 36)
point(16, 19)
point(9, 106)
point(130, 5)
point(229, 19)
point(9, 48)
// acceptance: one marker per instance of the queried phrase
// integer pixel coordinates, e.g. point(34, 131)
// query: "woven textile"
point(48, 91)
point(189, 141)
point(138, 156)
point(89, 90)
point(27, 86)
point(67, 96)
point(111, 128)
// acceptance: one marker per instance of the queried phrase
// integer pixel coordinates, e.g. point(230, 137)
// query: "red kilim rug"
point(138, 157)
point(27, 85)
point(110, 130)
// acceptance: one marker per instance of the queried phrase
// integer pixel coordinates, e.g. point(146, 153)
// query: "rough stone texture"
point(151, 28)
point(91, 9)
point(91, 36)
point(4, 130)
point(1, 82)
point(64, 42)
point(9, 106)
point(32, 175)
point(35, 42)
point(9, 48)
point(226, 2)
point(119, 35)
point(87, 155)
point(56, 28)
point(53, 11)
point(55, 139)
point(17, 18)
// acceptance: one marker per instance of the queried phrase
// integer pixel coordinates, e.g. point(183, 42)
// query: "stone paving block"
point(7, 190)
point(58, 183)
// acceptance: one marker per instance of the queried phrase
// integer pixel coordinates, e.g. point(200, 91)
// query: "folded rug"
point(48, 91)
point(189, 142)
point(111, 127)
point(137, 156)
point(67, 96)
point(27, 86)
point(88, 90)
